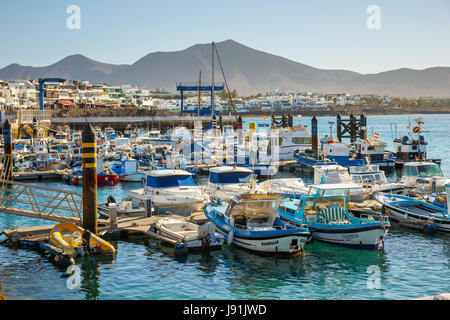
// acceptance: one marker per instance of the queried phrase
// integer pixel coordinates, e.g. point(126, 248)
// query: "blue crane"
point(41, 89)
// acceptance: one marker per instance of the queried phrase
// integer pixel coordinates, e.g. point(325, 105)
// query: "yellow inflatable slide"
point(75, 240)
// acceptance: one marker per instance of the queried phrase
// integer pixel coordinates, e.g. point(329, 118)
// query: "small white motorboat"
point(195, 237)
point(126, 208)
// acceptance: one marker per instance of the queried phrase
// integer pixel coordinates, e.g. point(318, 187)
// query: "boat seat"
point(333, 215)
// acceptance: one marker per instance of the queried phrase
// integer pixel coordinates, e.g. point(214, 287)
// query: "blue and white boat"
point(415, 213)
point(324, 210)
point(127, 171)
point(332, 150)
point(373, 151)
point(225, 182)
point(252, 222)
point(171, 191)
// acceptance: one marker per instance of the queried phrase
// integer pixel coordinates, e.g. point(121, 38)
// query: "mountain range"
point(247, 70)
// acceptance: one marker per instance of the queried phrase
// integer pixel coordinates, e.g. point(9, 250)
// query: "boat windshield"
point(368, 178)
point(422, 171)
point(429, 171)
point(230, 177)
point(170, 181)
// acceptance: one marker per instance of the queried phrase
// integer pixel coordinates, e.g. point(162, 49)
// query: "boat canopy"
point(254, 209)
point(230, 175)
point(333, 189)
point(170, 181)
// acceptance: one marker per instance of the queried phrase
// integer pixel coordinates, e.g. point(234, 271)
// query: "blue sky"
point(324, 34)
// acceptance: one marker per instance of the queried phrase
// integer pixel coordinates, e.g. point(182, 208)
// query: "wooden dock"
point(37, 176)
point(126, 227)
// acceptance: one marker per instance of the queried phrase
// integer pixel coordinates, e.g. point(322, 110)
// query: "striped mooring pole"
point(314, 138)
point(7, 139)
point(89, 153)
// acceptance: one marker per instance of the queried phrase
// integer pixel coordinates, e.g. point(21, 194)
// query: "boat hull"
point(133, 177)
point(416, 221)
point(414, 213)
point(287, 242)
point(364, 238)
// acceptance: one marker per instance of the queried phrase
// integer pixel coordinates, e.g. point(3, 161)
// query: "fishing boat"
point(225, 182)
point(411, 148)
point(324, 210)
point(332, 150)
point(49, 161)
point(127, 171)
point(171, 191)
point(415, 213)
point(103, 178)
point(77, 241)
point(424, 177)
point(373, 152)
point(336, 174)
point(195, 237)
point(252, 222)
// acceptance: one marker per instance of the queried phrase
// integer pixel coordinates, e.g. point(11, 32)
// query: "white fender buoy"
point(230, 237)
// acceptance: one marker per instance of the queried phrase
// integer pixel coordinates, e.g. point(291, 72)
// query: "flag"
point(376, 135)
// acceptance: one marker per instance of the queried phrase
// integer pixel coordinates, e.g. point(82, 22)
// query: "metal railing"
point(40, 202)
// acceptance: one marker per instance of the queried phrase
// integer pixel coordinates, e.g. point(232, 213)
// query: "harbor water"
point(412, 264)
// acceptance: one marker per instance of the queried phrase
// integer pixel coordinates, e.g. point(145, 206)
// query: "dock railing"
point(41, 202)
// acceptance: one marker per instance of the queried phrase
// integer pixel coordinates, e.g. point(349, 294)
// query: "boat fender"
point(213, 238)
point(181, 249)
point(230, 237)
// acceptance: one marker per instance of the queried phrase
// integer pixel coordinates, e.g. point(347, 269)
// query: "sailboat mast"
point(212, 82)
point(199, 85)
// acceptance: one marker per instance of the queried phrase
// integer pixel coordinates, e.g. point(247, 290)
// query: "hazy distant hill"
point(247, 70)
point(77, 67)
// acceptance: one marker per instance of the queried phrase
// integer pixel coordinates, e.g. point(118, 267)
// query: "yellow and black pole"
point(89, 147)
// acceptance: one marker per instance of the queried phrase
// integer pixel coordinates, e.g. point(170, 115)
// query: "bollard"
point(112, 208)
point(89, 155)
point(314, 138)
point(7, 138)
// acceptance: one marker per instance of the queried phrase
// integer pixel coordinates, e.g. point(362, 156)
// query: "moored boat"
point(76, 241)
point(324, 210)
point(415, 213)
point(252, 222)
point(171, 191)
point(195, 237)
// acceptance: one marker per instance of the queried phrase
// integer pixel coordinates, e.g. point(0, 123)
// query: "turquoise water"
point(412, 264)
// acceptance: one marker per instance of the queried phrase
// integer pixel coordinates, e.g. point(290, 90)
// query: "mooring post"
point(363, 126)
point(112, 210)
point(314, 137)
point(353, 127)
point(7, 138)
point(89, 153)
point(339, 127)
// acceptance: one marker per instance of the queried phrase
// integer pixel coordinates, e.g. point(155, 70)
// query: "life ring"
point(78, 142)
point(416, 129)
point(330, 141)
